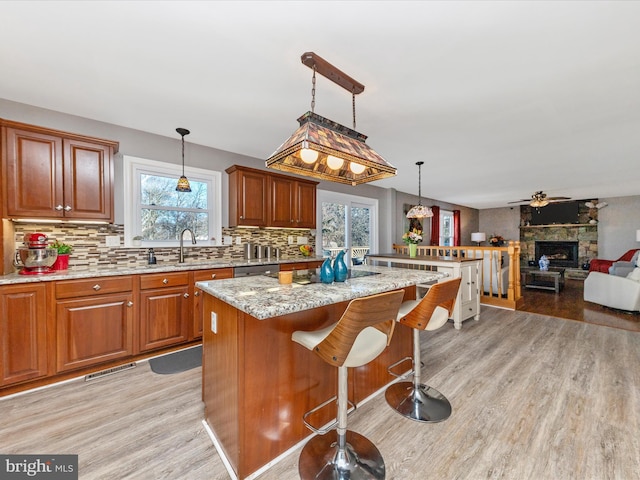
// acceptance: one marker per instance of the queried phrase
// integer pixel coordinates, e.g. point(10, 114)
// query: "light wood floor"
point(533, 397)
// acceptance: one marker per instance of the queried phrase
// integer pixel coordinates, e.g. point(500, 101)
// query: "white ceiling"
point(499, 99)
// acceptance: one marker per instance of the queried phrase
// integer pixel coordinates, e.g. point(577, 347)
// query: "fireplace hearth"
point(560, 254)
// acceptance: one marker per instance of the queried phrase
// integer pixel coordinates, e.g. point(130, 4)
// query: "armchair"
point(612, 291)
point(601, 265)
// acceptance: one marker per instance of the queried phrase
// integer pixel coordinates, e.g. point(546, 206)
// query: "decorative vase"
point(413, 249)
point(326, 271)
point(62, 262)
point(340, 271)
point(544, 263)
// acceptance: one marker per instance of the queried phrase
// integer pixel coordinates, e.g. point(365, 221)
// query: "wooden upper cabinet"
point(56, 175)
point(264, 199)
point(248, 197)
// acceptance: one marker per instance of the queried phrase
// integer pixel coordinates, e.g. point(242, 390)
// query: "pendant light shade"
point(419, 211)
point(183, 182)
point(321, 148)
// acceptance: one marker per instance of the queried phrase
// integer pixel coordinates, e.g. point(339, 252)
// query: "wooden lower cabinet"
point(165, 310)
point(203, 276)
point(311, 264)
point(23, 332)
point(93, 327)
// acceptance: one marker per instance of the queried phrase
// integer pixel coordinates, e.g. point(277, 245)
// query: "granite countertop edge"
point(118, 270)
point(263, 297)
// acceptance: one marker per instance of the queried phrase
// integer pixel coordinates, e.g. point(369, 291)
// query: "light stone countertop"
point(263, 297)
point(136, 269)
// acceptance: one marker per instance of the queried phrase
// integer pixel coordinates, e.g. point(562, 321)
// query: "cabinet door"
point(33, 182)
point(305, 205)
point(23, 332)
point(281, 207)
point(93, 330)
point(249, 192)
point(203, 276)
point(164, 314)
point(88, 175)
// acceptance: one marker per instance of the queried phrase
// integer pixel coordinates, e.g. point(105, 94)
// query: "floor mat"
point(177, 361)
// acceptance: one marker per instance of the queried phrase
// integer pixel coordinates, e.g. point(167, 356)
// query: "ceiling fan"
point(540, 199)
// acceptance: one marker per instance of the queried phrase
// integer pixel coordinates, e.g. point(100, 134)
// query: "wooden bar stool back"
point(415, 400)
point(362, 333)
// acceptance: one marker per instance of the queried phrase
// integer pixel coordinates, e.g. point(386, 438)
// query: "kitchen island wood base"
point(257, 383)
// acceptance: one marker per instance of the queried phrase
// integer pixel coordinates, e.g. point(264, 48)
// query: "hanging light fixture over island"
point(321, 148)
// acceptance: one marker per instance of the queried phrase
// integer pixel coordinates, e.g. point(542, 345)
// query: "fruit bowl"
point(306, 250)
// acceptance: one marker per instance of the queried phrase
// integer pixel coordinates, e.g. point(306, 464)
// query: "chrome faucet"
point(193, 240)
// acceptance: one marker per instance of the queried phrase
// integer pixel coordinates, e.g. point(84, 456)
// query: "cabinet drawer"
point(214, 274)
point(93, 286)
point(159, 280)
point(310, 265)
point(469, 309)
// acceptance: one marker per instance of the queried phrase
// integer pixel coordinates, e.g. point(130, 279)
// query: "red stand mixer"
point(37, 257)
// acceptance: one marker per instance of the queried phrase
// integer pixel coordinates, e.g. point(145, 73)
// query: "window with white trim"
point(447, 228)
point(155, 211)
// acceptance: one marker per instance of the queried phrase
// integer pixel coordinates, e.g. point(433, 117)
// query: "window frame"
point(441, 240)
point(134, 166)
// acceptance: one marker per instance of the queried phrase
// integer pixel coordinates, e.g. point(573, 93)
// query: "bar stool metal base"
point(321, 459)
point(423, 404)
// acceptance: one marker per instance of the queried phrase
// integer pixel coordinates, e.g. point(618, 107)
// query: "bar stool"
point(415, 400)
point(361, 334)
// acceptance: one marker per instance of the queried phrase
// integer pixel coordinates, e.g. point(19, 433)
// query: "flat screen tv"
point(555, 213)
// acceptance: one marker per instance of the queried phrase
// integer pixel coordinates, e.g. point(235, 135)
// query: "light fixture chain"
point(183, 155)
point(313, 90)
point(419, 184)
point(353, 106)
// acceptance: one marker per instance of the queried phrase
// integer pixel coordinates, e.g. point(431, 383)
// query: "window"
point(446, 228)
point(347, 221)
point(158, 213)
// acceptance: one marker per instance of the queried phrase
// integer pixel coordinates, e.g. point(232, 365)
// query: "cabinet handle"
point(241, 217)
point(129, 303)
point(58, 207)
point(96, 287)
point(186, 295)
point(213, 275)
point(67, 208)
point(165, 281)
point(197, 294)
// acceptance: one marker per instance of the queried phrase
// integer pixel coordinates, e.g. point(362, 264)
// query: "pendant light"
point(183, 182)
point(419, 211)
point(321, 148)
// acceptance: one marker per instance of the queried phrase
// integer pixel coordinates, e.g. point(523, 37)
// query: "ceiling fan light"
point(334, 163)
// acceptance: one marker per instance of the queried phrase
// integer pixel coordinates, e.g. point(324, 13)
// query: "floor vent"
point(109, 371)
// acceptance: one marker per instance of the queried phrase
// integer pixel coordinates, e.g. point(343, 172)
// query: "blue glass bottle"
point(326, 271)
point(340, 270)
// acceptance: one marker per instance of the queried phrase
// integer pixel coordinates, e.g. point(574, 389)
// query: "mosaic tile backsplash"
point(90, 250)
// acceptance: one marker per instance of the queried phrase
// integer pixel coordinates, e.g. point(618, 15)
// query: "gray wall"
point(617, 225)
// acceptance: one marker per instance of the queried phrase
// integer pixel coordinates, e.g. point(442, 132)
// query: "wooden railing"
point(493, 289)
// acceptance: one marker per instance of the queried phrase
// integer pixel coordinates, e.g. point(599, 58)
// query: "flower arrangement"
point(496, 240)
point(412, 236)
point(62, 248)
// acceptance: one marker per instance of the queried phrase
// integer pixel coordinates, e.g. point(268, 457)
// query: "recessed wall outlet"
point(227, 240)
point(112, 240)
point(303, 240)
point(238, 240)
point(290, 240)
point(214, 322)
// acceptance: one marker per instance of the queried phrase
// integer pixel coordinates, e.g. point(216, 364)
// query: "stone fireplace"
point(560, 254)
point(584, 235)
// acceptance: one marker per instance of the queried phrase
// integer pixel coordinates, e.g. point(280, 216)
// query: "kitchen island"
point(257, 383)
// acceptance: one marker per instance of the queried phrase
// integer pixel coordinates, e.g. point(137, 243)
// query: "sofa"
point(613, 291)
point(601, 265)
point(623, 268)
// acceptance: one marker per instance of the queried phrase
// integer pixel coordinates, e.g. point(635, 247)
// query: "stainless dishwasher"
point(250, 270)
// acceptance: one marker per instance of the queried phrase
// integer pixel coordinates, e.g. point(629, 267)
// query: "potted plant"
point(136, 241)
point(64, 249)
